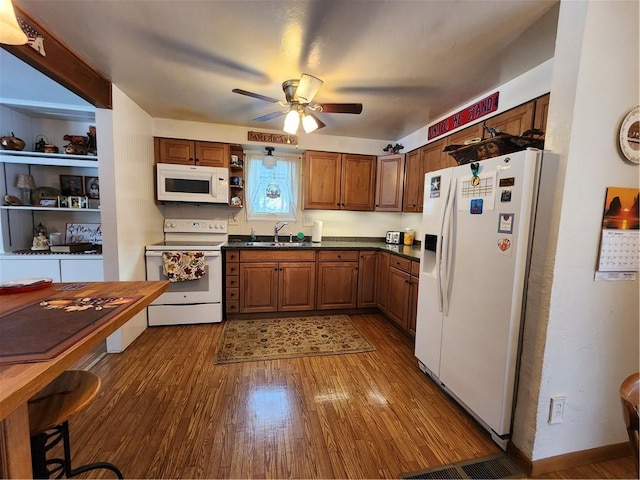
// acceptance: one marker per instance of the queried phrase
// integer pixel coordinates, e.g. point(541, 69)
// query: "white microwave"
point(192, 184)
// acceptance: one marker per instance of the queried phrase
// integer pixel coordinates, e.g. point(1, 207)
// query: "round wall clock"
point(630, 136)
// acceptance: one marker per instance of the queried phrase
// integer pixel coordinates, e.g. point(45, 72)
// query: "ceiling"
point(407, 61)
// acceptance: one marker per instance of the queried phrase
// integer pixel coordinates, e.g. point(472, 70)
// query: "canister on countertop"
point(409, 236)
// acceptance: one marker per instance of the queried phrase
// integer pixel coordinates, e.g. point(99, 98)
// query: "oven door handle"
point(159, 253)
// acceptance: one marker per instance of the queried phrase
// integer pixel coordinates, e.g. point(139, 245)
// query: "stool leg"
point(72, 472)
point(41, 444)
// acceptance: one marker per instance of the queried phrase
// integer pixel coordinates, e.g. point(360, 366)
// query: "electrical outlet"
point(307, 222)
point(556, 409)
point(232, 219)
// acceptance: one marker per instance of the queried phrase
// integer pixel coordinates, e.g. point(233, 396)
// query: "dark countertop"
point(334, 243)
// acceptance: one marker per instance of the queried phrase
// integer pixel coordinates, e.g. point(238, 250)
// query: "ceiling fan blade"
point(255, 95)
point(307, 88)
point(268, 116)
point(339, 107)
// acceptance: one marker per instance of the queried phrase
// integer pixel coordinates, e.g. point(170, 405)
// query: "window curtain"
point(272, 193)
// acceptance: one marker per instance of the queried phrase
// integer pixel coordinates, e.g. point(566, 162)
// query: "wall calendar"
point(620, 240)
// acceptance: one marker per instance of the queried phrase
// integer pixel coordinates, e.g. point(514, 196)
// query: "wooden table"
point(19, 382)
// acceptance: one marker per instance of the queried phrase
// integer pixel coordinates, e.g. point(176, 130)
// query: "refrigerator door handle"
point(447, 240)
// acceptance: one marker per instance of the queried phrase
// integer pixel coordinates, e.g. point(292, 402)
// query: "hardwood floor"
point(166, 411)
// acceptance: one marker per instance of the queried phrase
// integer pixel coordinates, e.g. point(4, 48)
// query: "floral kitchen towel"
point(183, 266)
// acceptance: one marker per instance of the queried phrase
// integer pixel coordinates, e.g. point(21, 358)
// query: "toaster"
point(395, 237)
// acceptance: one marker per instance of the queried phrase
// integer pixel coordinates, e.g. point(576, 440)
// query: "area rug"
point(275, 338)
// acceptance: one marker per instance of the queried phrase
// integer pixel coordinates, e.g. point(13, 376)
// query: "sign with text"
point(272, 138)
point(464, 116)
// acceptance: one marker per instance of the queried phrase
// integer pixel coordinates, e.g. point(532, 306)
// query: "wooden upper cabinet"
point(191, 152)
point(339, 181)
point(515, 121)
point(541, 111)
point(210, 154)
point(322, 172)
point(389, 183)
point(413, 180)
point(434, 158)
point(358, 182)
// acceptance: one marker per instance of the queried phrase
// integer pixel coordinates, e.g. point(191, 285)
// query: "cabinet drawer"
point(232, 269)
point(400, 263)
point(232, 295)
point(232, 255)
point(232, 307)
point(232, 281)
point(338, 255)
point(277, 255)
point(415, 268)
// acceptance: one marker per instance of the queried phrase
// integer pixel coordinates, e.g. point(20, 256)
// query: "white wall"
point(581, 337)
point(130, 217)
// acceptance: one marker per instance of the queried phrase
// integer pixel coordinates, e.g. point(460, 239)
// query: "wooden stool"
point(49, 412)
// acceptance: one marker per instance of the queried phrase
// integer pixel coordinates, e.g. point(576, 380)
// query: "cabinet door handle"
point(275, 269)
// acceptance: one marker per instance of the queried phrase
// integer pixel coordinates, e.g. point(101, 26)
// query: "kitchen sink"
point(277, 244)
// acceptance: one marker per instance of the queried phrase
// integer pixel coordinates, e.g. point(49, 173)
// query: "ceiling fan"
point(299, 94)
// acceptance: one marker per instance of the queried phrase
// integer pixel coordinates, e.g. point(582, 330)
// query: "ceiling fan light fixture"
point(10, 31)
point(269, 161)
point(291, 122)
point(309, 123)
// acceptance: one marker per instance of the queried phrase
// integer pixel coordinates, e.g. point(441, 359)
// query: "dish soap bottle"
point(253, 235)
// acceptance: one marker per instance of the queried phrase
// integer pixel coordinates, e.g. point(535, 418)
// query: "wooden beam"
point(50, 56)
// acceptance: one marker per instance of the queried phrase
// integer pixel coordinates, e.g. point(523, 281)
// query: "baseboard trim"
point(567, 460)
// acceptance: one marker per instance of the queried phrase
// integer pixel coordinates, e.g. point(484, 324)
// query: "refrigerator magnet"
point(476, 206)
point(505, 223)
point(504, 245)
point(435, 187)
point(505, 196)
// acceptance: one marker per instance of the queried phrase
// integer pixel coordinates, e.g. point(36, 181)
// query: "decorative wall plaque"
point(264, 137)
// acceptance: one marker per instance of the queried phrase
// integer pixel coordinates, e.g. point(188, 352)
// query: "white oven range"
point(191, 301)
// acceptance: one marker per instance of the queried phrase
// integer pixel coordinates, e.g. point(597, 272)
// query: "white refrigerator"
point(478, 226)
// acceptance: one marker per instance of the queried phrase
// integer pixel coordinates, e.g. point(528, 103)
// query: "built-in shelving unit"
point(31, 120)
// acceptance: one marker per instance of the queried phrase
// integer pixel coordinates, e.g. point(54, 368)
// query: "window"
point(272, 193)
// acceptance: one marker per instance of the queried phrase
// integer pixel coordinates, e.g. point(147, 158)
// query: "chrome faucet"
point(277, 228)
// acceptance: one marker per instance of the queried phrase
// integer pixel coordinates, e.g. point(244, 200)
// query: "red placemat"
point(43, 330)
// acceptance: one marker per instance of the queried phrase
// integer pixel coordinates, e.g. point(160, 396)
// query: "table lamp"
point(25, 183)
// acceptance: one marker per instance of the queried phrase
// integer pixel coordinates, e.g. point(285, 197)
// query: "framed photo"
point(48, 201)
point(71, 185)
point(92, 187)
point(75, 202)
point(63, 202)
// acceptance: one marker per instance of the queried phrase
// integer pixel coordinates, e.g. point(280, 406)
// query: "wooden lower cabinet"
point(268, 281)
point(382, 281)
point(398, 306)
point(337, 283)
point(276, 281)
point(412, 314)
point(367, 264)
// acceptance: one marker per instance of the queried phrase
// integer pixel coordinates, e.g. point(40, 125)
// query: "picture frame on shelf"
point(50, 202)
point(92, 187)
point(77, 202)
point(71, 185)
point(63, 202)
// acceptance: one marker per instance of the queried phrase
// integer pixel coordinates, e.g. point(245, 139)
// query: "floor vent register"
point(491, 467)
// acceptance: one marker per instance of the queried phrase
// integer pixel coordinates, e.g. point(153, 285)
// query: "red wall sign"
point(464, 116)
